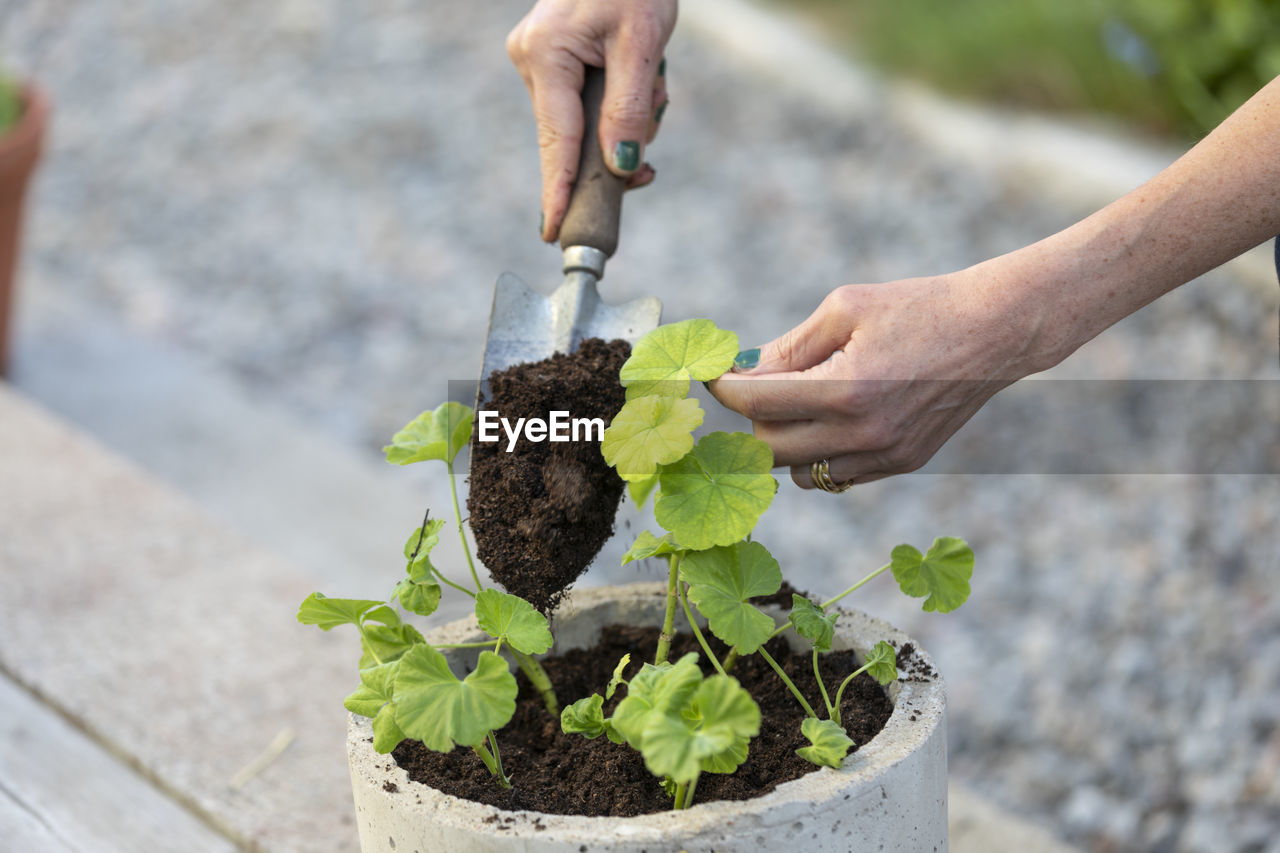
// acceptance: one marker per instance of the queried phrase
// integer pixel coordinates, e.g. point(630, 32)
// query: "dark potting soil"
point(542, 512)
point(567, 774)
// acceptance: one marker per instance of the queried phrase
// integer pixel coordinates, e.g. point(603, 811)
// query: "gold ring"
point(820, 471)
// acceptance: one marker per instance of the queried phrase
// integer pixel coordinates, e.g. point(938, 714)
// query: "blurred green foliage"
point(1173, 66)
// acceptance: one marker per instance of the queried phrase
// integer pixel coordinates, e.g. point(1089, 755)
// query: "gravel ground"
point(318, 195)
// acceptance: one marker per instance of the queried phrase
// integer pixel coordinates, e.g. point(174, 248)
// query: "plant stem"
point(839, 693)
point(539, 679)
point(480, 645)
point(865, 580)
point(457, 514)
point(697, 632)
point(833, 713)
point(669, 618)
point(456, 586)
point(730, 659)
point(493, 764)
point(368, 645)
point(681, 789)
point(688, 795)
point(808, 709)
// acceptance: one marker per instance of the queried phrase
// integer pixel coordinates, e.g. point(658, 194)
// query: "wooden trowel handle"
point(595, 204)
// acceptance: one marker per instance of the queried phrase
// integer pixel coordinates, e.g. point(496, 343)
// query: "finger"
point(631, 65)
point(782, 397)
point(825, 331)
point(801, 442)
point(642, 178)
point(557, 106)
point(802, 476)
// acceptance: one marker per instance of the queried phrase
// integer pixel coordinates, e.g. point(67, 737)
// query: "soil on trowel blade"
point(542, 512)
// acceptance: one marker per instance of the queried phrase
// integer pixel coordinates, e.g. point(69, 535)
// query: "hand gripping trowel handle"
point(589, 233)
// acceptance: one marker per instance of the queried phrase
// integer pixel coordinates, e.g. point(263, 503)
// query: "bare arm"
point(948, 343)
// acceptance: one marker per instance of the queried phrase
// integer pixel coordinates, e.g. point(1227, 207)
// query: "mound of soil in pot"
point(557, 773)
point(542, 512)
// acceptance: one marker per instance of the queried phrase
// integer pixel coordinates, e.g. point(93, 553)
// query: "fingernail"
point(706, 385)
point(662, 67)
point(542, 224)
point(747, 359)
point(657, 117)
point(626, 156)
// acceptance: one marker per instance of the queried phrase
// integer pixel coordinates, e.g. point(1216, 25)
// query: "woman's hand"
point(551, 47)
point(879, 377)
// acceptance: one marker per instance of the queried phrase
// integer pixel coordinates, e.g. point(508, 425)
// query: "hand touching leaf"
point(435, 707)
point(506, 616)
point(438, 434)
point(721, 580)
point(715, 495)
point(664, 360)
point(942, 574)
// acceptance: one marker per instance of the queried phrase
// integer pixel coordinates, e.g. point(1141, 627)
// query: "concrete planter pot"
point(19, 152)
point(891, 795)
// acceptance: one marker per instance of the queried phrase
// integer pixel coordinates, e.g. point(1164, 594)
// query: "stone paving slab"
point(164, 637)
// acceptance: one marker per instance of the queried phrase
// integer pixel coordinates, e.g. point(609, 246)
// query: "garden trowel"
point(526, 326)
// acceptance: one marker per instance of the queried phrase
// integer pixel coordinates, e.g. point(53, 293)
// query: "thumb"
point(626, 112)
point(824, 332)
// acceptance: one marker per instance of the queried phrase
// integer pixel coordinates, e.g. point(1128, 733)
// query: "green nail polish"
point(662, 67)
point(747, 359)
point(542, 224)
point(662, 109)
point(626, 156)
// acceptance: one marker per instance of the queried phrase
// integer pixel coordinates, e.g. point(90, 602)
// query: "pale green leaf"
point(617, 676)
point(388, 642)
point(437, 434)
point(377, 688)
point(418, 554)
point(584, 717)
point(386, 731)
point(882, 663)
point(942, 574)
point(513, 619)
point(714, 495)
point(382, 614)
point(656, 689)
point(648, 432)
point(722, 579)
point(327, 613)
point(647, 545)
point(664, 360)
point(435, 707)
point(639, 490)
point(812, 622)
point(709, 733)
point(421, 597)
point(828, 743)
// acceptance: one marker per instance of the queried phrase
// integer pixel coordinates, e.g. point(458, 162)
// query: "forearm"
point(1217, 201)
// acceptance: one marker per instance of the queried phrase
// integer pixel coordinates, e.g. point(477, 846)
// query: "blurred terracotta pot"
point(19, 152)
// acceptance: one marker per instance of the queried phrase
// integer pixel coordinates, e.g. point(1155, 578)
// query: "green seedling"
point(708, 495)
point(406, 684)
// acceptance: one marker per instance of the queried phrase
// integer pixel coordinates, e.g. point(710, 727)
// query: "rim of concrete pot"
point(891, 791)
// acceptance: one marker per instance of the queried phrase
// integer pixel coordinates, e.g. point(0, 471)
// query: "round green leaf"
point(942, 573)
point(416, 553)
point(722, 579)
point(388, 642)
point(828, 743)
point(648, 432)
point(433, 706)
point(437, 434)
point(514, 620)
point(386, 732)
point(882, 663)
point(421, 597)
point(641, 489)
point(377, 688)
point(715, 495)
point(584, 717)
point(710, 732)
point(656, 690)
point(664, 360)
point(812, 622)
